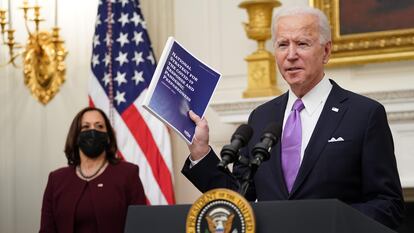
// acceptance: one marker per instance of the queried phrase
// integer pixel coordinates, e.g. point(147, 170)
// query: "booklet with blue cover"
point(180, 83)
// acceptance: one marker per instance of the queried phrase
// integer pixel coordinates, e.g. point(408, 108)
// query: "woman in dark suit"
point(93, 193)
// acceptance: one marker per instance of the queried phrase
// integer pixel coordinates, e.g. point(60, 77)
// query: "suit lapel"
point(280, 107)
point(325, 127)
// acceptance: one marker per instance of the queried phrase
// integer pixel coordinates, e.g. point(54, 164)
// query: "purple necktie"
point(291, 144)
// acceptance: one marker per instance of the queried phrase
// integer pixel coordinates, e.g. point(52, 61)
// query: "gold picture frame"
point(361, 47)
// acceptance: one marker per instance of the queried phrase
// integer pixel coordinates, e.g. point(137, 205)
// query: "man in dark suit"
point(334, 144)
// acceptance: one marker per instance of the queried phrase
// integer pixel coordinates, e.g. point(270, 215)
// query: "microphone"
point(261, 151)
point(240, 138)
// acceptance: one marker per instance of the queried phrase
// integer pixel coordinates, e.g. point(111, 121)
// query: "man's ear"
point(327, 52)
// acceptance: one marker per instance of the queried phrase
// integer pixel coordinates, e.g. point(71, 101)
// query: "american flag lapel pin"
point(335, 109)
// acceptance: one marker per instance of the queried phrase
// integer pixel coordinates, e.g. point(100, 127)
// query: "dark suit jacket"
point(360, 171)
point(120, 188)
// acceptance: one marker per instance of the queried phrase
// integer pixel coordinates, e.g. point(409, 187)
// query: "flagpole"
point(111, 87)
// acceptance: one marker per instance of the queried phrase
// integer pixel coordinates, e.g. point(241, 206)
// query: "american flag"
point(122, 65)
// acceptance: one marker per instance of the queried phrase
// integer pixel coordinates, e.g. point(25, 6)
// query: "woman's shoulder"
point(62, 171)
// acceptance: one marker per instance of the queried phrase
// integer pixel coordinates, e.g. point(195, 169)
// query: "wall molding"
point(408, 194)
point(399, 104)
point(391, 95)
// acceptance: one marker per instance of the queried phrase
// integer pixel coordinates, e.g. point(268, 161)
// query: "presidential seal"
point(220, 211)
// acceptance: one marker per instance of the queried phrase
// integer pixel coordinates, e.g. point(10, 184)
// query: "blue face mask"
point(93, 142)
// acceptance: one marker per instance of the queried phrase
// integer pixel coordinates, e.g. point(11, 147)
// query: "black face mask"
point(93, 142)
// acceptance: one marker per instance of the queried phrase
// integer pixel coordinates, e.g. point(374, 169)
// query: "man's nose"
point(292, 52)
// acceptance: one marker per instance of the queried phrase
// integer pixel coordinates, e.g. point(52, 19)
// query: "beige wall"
point(33, 135)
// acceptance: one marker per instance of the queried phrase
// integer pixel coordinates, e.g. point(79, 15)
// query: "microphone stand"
point(247, 178)
point(261, 152)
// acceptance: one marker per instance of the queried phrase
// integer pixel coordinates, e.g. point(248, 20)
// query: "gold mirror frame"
point(362, 48)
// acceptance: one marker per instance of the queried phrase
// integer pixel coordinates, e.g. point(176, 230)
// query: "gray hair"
point(324, 27)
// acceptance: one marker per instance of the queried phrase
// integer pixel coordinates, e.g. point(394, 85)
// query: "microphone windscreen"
point(244, 132)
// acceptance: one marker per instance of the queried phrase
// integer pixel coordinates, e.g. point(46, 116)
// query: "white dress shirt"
point(314, 101)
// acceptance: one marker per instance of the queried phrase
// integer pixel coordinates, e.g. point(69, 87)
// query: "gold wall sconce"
point(261, 63)
point(43, 55)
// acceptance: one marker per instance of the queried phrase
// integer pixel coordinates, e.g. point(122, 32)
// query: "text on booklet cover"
point(180, 83)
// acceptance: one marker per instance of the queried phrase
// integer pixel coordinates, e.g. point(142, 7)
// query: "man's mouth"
point(293, 69)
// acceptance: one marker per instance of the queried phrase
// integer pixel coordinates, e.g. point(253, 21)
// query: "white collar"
point(316, 96)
